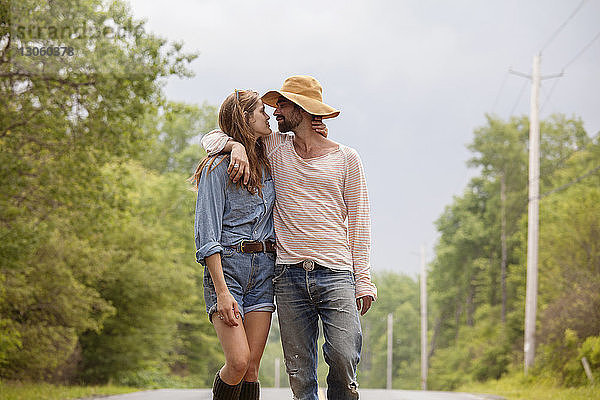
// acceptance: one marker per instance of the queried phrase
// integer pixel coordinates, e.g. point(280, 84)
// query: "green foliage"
point(479, 353)
point(45, 391)
point(516, 386)
point(398, 295)
point(98, 279)
point(471, 340)
point(160, 319)
point(590, 349)
point(173, 130)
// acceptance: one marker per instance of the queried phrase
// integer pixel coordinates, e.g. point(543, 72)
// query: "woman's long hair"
point(234, 116)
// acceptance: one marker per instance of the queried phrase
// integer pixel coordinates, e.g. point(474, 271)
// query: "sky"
point(413, 79)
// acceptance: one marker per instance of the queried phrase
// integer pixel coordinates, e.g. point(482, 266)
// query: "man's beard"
point(291, 123)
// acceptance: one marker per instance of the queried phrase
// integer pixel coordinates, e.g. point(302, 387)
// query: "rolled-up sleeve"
point(210, 205)
point(214, 141)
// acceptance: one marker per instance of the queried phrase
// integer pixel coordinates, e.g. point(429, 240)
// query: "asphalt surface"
point(285, 394)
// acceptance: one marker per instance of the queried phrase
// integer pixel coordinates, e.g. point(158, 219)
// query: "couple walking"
point(283, 215)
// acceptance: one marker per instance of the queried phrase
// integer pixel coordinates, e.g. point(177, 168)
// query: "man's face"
point(288, 116)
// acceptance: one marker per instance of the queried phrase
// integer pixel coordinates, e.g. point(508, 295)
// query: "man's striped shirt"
point(321, 210)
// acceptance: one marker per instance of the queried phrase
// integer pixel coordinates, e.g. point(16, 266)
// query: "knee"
point(338, 359)
point(238, 365)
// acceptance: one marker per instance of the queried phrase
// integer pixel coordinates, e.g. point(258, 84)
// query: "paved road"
point(285, 394)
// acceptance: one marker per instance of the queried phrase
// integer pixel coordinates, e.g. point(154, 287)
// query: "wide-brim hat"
point(306, 92)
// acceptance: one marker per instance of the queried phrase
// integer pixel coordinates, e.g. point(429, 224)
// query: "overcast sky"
point(413, 80)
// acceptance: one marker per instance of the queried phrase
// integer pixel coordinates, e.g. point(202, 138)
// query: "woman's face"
point(259, 121)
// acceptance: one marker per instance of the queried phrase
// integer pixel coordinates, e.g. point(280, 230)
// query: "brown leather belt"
point(256, 246)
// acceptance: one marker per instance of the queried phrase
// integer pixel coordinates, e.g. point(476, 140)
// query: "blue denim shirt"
point(227, 213)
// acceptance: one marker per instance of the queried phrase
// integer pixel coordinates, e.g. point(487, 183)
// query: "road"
point(284, 394)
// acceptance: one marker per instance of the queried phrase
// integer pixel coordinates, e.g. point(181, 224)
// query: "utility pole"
point(533, 210)
point(390, 335)
point(423, 321)
point(277, 368)
point(533, 215)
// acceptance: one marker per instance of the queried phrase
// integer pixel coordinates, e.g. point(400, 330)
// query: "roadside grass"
point(519, 387)
point(45, 391)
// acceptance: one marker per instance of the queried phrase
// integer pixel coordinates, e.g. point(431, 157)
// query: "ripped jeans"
point(302, 297)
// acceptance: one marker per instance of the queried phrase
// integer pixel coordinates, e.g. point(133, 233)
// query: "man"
point(322, 226)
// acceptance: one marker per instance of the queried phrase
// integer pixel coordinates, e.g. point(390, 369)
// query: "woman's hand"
point(227, 309)
point(239, 166)
point(319, 127)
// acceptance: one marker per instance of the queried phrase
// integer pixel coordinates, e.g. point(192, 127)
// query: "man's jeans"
point(302, 297)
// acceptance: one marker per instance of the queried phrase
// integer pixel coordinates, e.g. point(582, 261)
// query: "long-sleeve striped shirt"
point(321, 209)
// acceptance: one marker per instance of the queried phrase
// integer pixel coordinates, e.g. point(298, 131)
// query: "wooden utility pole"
point(504, 259)
point(533, 216)
point(390, 336)
point(277, 368)
point(423, 321)
point(533, 210)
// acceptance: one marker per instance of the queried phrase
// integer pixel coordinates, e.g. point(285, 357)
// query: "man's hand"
point(239, 166)
point(366, 304)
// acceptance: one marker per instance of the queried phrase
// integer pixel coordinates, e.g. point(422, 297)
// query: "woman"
point(235, 241)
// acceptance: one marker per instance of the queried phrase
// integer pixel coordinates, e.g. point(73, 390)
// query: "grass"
point(519, 387)
point(45, 391)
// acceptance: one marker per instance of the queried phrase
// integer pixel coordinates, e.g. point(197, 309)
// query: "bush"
point(574, 374)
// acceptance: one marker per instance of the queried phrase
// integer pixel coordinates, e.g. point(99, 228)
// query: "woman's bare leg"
point(256, 324)
point(235, 347)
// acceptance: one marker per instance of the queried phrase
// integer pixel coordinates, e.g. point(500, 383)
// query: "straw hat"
point(306, 92)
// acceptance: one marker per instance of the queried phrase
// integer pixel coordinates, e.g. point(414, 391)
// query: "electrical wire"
point(500, 91)
point(546, 100)
point(561, 27)
point(574, 181)
point(579, 54)
point(583, 50)
point(519, 97)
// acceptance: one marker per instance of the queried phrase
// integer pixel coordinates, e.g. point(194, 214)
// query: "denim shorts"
point(249, 278)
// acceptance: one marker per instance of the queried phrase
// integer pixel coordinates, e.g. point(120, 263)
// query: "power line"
point(579, 54)
point(500, 91)
point(519, 97)
point(549, 94)
point(574, 181)
point(558, 164)
point(568, 64)
point(587, 46)
point(561, 27)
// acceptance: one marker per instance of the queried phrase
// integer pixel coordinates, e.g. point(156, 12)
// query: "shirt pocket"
point(244, 206)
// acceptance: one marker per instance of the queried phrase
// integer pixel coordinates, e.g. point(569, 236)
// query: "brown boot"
point(250, 391)
point(223, 391)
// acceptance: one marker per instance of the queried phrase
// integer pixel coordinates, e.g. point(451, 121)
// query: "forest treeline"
point(98, 281)
point(477, 279)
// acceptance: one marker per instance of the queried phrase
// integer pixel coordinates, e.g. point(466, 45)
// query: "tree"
point(63, 118)
point(487, 226)
point(399, 295)
point(500, 150)
point(174, 128)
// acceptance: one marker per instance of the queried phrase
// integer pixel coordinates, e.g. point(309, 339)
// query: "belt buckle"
point(308, 265)
point(242, 246)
